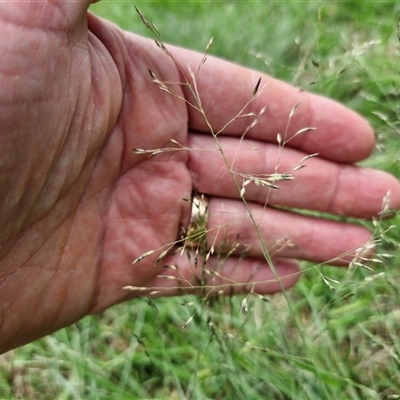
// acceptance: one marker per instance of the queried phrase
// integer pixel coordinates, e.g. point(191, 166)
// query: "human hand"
point(78, 205)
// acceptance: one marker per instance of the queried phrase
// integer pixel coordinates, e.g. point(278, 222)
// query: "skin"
point(77, 207)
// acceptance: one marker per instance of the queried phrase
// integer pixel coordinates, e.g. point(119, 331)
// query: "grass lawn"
point(321, 344)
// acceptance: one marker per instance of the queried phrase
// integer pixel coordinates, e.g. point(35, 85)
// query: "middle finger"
point(320, 185)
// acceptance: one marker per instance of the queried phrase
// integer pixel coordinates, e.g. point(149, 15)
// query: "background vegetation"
point(342, 344)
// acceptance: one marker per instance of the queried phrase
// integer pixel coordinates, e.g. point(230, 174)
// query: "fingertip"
point(288, 272)
point(348, 137)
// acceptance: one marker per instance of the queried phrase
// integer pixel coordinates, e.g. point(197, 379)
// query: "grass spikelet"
point(187, 322)
point(255, 91)
point(162, 255)
point(144, 255)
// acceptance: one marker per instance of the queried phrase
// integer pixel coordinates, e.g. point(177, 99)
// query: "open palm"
point(78, 205)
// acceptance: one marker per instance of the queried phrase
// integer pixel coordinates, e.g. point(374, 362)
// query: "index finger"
point(224, 88)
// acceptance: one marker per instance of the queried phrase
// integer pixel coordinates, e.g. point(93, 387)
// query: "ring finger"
point(234, 227)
